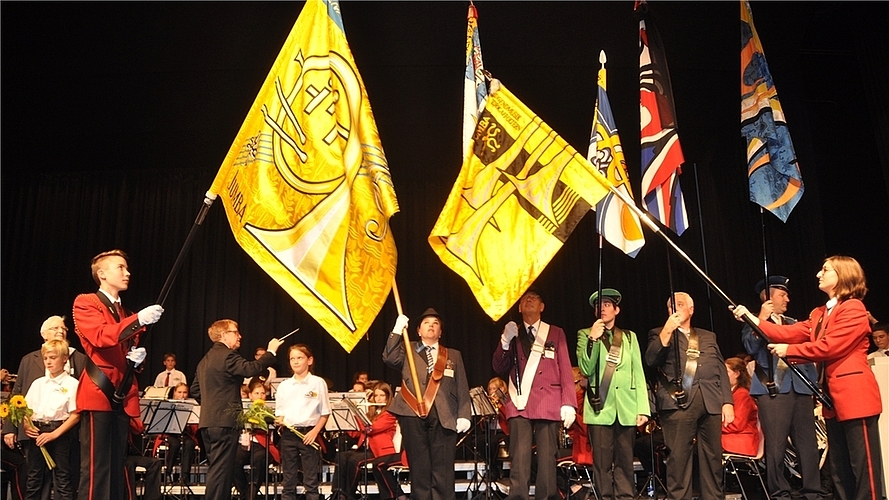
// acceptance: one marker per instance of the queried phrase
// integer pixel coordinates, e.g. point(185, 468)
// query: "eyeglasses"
point(234, 332)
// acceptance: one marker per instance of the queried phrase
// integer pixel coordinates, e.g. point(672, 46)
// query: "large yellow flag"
point(517, 199)
point(306, 185)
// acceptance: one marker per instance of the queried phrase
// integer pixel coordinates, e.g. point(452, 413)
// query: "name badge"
point(549, 352)
point(449, 372)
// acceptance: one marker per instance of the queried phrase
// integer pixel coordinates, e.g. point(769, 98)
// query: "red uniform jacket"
point(842, 346)
point(742, 435)
point(105, 341)
point(381, 435)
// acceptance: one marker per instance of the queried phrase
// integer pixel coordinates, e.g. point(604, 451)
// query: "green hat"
point(608, 294)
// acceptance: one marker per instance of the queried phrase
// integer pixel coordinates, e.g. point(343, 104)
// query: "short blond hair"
point(55, 346)
point(219, 327)
point(96, 263)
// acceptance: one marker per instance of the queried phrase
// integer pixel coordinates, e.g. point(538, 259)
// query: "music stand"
point(342, 419)
point(650, 489)
point(171, 417)
point(481, 407)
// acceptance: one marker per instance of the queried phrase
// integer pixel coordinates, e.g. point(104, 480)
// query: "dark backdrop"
point(116, 116)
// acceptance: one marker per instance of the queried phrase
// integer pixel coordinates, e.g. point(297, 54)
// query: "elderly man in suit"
point(534, 359)
point(786, 407)
point(30, 369)
point(217, 387)
point(694, 397)
point(431, 421)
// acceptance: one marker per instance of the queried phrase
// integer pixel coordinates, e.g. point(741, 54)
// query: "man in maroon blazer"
point(534, 359)
point(109, 335)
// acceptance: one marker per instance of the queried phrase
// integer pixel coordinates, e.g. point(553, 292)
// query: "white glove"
point(137, 355)
point(150, 314)
point(568, 415)
point(510, 331)
point(463, 425)
point(400, 324)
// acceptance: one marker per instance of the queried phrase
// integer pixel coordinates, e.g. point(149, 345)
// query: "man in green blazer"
point(616, 401)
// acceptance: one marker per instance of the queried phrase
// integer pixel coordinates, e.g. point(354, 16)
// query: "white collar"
point(831, 304)
point(110, 297)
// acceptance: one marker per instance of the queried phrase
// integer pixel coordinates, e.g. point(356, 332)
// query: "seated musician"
point(380, 439)
point(741, 436)
point(253, 450)
point(176, 443)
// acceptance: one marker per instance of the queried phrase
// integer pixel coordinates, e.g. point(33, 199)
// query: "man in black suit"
point(30, 369)
point(217, 387)
point(694, 398)
point(430, 440)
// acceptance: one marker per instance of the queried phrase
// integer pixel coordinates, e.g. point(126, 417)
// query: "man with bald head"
point(30, 369)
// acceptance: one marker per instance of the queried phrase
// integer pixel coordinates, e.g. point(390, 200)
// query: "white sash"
point(520, 400)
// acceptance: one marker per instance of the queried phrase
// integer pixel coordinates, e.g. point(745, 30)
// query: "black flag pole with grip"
point(121, 392)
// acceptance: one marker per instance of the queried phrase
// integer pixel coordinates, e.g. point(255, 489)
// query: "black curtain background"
point(116, 117)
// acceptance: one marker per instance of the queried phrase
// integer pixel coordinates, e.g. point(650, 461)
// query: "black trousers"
point(854, 454)
point(222, 446)
point(523, 433)
point(256, 457)
point(152, 467)
point(103, 456)
point(431, 450)
point(386, 480)
point(15, 473)
point(681, 427)
point(613, 459)
point(790, 415)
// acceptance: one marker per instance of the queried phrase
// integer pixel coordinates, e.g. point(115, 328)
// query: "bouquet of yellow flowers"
point(256, 415)
point(17, 411)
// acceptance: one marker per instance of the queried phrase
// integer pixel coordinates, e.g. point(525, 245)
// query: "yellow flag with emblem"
point(306, 185)
point(517, 199)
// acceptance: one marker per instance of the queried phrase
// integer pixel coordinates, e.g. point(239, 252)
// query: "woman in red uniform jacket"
point(380, 439)
point(742, 435)
point(836, 336)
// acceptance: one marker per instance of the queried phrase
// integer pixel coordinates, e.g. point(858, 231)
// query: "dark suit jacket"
point(757, 347)
point(217, 384)
point(30, 369)
point(711, 376)
point(451, 402)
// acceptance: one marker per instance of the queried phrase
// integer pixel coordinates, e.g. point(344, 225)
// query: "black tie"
point(531, 333)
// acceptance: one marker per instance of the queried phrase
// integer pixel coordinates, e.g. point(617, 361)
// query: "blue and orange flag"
point(776, 182)
point(475, 89)
point(615, 221)
point(519, 195)
point(661, 152)
point(306, 185)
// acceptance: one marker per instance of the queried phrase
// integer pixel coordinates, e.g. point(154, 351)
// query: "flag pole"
point(121, 393)
point(770, 384)
point(643, 216)
point(409, 354)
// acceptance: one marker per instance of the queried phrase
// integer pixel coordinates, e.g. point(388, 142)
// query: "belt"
point(52, 424)
point(304, 429)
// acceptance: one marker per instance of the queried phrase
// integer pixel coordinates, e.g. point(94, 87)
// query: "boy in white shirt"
point(52, 397)
point(301, 404)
